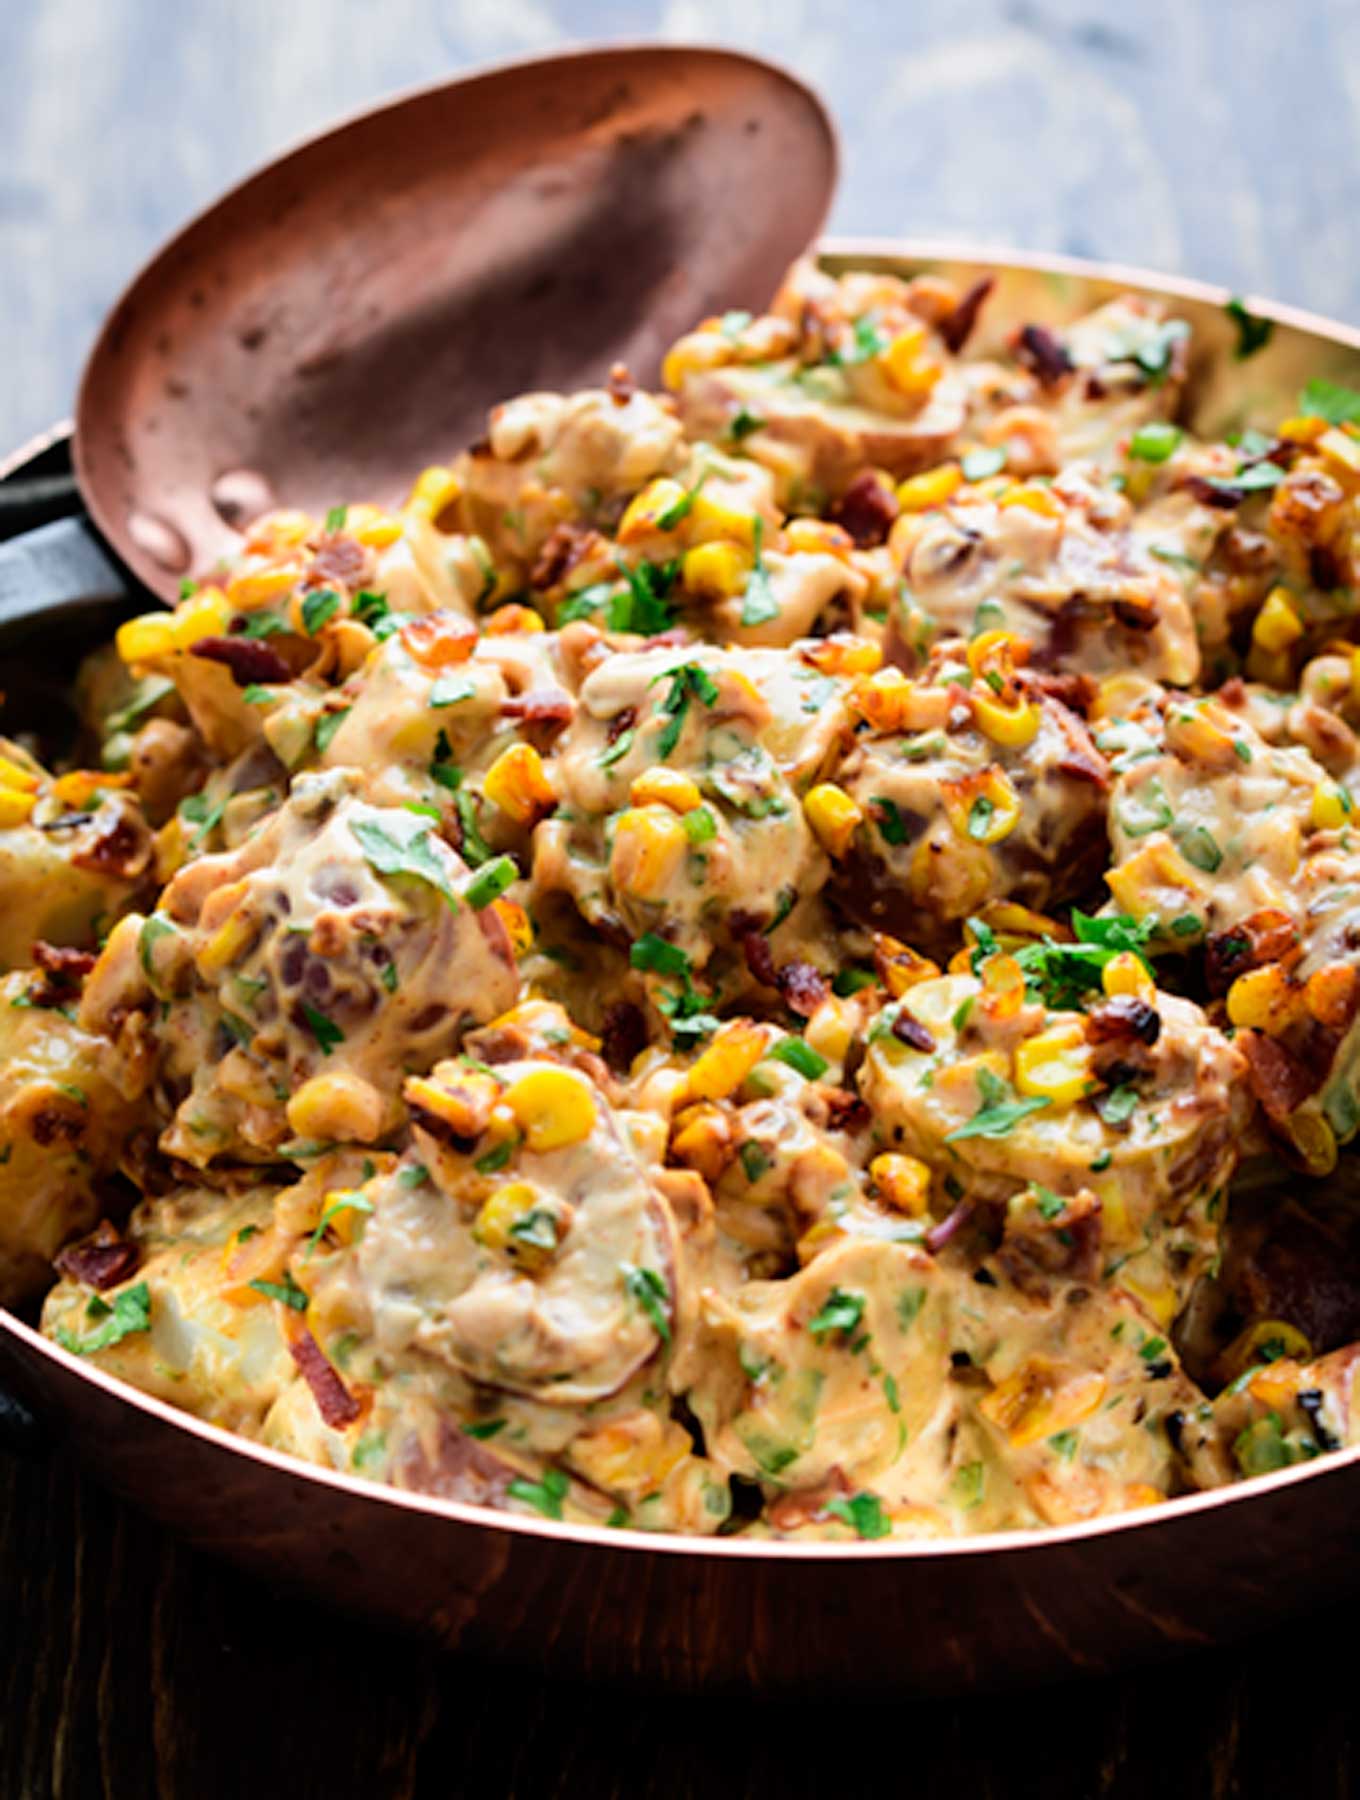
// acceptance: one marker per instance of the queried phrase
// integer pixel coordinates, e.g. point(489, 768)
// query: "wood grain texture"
point(1221, 138)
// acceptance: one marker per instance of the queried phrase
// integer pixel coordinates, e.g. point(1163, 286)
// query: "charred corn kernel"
point(231, 940)
point(739, 697)
point(1015, 925)
point(712, 518)
point(1118, 696)
point(517, 924)
point(372, 527)
point(172, 848)
point(146, 637)
point(998, 650)
point(716, 571)
point(1011, 726)
point(842, 654)
point(1268, 1341)
point(818, 537)
point(1127, 974)
point(517, 783)
point(464, 1105)
point(831, 1029)
point(1034, 499)
point(439, 640)
point(884, 699)
point(516, 1221)
point(1274, 1387)
point(665, 787)
point(552, 1107)
point(256, 588)
point(79, 787)
point(337, 1108)
point(899, 967)
point(908, 365)
point(650, 845)
point(1332, 806)
point(15, 776)
point(1264, 1000)
point(1003, 987)
point(1141, 1493)
point(1314, 1141)
point(206, 615)
point(15, 807)
point(1042, 1398)
point(1194, 734)
point(919, 493)
point(702, 1140)
point(903, 1183)
point(982, 808)
point(1055, 1065)
point(1341, 452)
point(1330, 994)
point(648, 511)
point(1277, 625)
point(720, 1069)
point(1303, 430)
point(276, 532)
point(436, 489)
point(507, 620)
point(833, 816)
point(631, 1455)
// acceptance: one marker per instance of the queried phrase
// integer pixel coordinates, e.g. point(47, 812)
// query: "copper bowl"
point(914, 1617)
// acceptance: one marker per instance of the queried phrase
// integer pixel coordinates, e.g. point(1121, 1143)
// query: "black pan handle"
point(57, 575)
point(22, 1432)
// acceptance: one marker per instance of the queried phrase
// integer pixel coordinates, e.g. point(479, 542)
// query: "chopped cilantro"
point(1331, 401)
point(286, 1292)
point(335, 518)
point(402, 849)
point(129, 1313)
point(842, 1311)
point(688, 681)
point(546, 1495)
point(649, 1290)
point(327, 726)
point(999, 1113)
point(1253, 333)
point(326, 1032)
point(317, 609)
point(864, 1512)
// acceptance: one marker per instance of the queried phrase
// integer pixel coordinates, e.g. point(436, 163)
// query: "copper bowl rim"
point(1332, 1464)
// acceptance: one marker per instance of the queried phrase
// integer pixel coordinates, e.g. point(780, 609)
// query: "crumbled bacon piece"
point(803, 987)
point(340, 559)
point(911, 1032)
point(867, 510)
point(1043, 354)
point(101, 1261)
point(563, 548)
point(957, 327)
point(1279, 1081)
point(541, 706)
point(624, 1035)
point(62, 973)
point(249, 659)
point(1123, 1018)
point(334, 1402)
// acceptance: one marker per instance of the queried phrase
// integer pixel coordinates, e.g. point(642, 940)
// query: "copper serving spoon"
point(348, 314)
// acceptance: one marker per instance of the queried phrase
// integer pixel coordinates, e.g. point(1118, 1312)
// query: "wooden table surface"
point(1220, 137)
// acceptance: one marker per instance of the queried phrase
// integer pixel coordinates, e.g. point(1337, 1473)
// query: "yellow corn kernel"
point(517, 783)
point(831, 1029)
point(918, 493)
point(645, 511)
point(1303, 430)
point(899, 967)
point(982, 808)
point(650, 845)
point(728, 1060)
point(552, 1107)
point(1035, 499)
point(1277, 625)
point(1268, 1340)
point(506, 1223)
point(834, 816)
point(14, 775)
point(206, 615)
point(907, 364)
point(884, 699)
point(702, 1140)
point(666, 787)
point(716, 571)
point(842, 654)
point(711, 518)
point(231, 940)
point(516, 922)
point(337, 1108)
point(1003, 987)
point(146, 637)
point(1055, 1065)
point(818, 537)
point(273, 533)
point(1275, 1386)
point(15, 807)
point(1264, 1000)
point(436, 489)
point(1010, 726)
point(1016, 925)
point(1342, 452)
point(1120, 696)
point(1330, 994)
point(1332, 806)
point(255, 588)
point(506, 621)
point(371, 526)
point(1126, 974)
point(903, 1182)
point(1198, 736)
point(998, 649)
point(1042, 1398)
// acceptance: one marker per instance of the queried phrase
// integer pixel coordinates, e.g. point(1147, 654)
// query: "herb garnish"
point(130, 1312)
point(1000, 1111)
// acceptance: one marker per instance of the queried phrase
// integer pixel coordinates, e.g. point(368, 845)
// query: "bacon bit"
point(622, 387)
point(791, 1511)
point(1136, 612)
point(121, 847)
point(1080, 759)
point(459, 1469)
point(1266, 936)
point(1324, 569)
point(1076, 692)
point(63, 972)
point(1279, 1081)
point(1221, 495)
point(939, 1235)
point(50, 1124)
point(911, 1032)
point(867, 510)
point(541, 706)
point(1035, 1248)
point(249, 659)
point(760, 958)
point(334, 1402)
point(439, 640)
point(341, 560)
point(957, 327)
point(1121, 1019)
point(621, 722)
point(1233, 692)
point(563, 548)
point(803, 987)
point(1043, 354)
point(1246, 552)
point(845, 1111)
point(623, 1036)
point(101, 1261)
